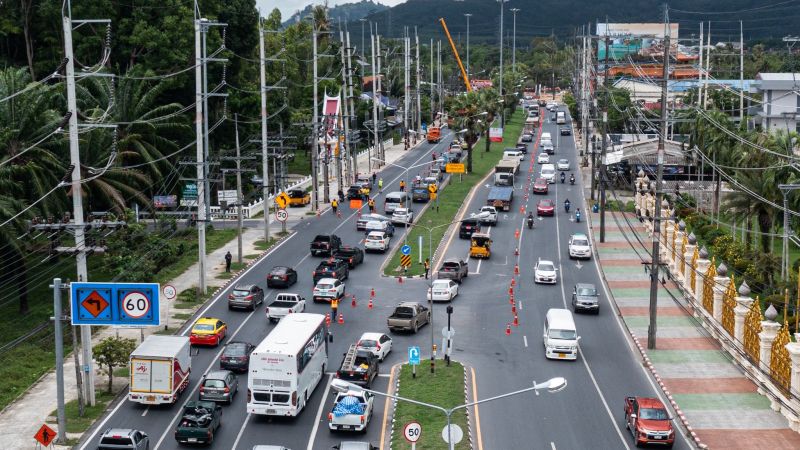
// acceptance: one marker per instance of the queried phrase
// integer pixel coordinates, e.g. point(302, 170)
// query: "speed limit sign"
point(412, 431)
point(135, 305)
point(281, 215)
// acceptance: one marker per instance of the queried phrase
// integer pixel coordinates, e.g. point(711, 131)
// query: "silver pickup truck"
point(409, 316)
point(284, 304)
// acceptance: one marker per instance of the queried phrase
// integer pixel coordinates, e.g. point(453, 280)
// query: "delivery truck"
point(504, 172)
point(160, 368)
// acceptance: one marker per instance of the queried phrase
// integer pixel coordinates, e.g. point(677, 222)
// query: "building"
point(780, 97)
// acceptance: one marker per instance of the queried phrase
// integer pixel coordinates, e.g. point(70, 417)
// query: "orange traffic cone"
point(511, 299)
point(400, 280)
point(341, 319)
point(522, 209)
point(328, 319)
point(516, 251)
point(369, 305)
point(516, 269)
point(508, 329)
point(514, 309)
point(511, 290)
point(516, 320)
point(353, 303)
point(516, 234)
point(372, 293)
point(513, 282)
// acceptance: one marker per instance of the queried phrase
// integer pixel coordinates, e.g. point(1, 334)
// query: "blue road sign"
point(413, 356)
point(406, 249)
point(121, 304)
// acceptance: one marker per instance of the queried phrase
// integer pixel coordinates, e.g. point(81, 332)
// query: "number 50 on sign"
point(412, 432)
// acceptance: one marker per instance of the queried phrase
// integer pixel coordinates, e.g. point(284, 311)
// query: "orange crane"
point(455, 52)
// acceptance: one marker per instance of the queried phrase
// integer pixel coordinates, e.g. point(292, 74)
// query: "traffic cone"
point(359, 213)
point(341, 319)
point(327, 319)
point(522, 209)
point(372, 294)
point(513, 282)
point(508, 329)
point(353, 303)
point(511, 290)
point(369, 305)
point(514, 309)
point(516, 320)
point(511, 299)
point(516, 269)
point(516, 251)
point(400, 280)
point(516, 233)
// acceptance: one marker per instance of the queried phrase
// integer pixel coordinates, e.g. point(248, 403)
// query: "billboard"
point(480, 84)
point(633, 39)
point(165, 201)
point(496, 134)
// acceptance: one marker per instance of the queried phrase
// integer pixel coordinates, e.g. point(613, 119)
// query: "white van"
point(560, 336)
point(549, 173)
point(394, 200)
point(561, 117)
point(546, 136)
point(512, 154)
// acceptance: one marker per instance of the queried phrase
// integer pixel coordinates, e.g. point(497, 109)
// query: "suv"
point(247, 296)
point(331, 268)
point(219, 386)
point(585, 298)
point(325, 244)
point(468, 226)
point(123, 438)
point(353, 256)
point(579, 246)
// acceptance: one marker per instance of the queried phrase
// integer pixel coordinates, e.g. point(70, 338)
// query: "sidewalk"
point(21, 419)
point(719, 403)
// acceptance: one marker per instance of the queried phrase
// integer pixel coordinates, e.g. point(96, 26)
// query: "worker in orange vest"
point(334, 307)
point(371, 204)
point(402, 186)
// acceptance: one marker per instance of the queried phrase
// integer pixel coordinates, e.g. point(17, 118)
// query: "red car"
point(545, 207)
point(540, 186)
point(649, 421)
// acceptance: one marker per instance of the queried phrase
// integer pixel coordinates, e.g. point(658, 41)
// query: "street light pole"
point(514, 41)
point(503, 112)
point(468, 15)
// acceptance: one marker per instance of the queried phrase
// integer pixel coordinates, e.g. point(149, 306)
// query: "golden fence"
point(780, 363)
point(752, 329)
point(683, 254)
point(674, 239)
point(708, 287)
point(693, 279)
point(728, 303)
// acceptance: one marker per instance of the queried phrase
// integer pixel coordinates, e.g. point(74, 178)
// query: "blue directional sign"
point(120, 304)
point(413, 356)
point(406, 249)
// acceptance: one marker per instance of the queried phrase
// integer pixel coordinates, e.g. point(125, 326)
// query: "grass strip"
point(78, 424)
point(445, 388)
point(451, 198)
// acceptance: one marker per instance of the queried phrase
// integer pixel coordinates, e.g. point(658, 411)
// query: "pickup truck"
point(491, 215)
point(199, 422)
point(331, 268)
point(284, 304)
point(648, 421)
point(454, 269)
point(352, 411)
point(325, 244)
point(408, 316)
point(500, 197)
point(358, 367)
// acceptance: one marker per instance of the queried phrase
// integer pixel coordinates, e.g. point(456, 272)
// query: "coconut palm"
point(489, 101)
point(468, 118)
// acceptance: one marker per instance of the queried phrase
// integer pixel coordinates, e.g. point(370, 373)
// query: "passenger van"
point(561, 117)
point(513, 154)
point(394, 200)
point(560, 336)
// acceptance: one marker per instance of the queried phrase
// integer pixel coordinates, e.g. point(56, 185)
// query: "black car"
point(353, 256)
point(247, 296)
point(325, 244)
point(331, 268)
point(281, 276)
point(469, 226)
point(236, 356)
point(355, 192)
point(523, 148)
point(566, 131)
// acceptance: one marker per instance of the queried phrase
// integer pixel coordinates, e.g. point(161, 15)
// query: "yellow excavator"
point(455, 52)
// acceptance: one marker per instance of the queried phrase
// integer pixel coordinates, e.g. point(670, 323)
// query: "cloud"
point(289, 7)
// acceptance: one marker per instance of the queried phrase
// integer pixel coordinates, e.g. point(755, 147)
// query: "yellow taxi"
point(298, 197)
point(208, 331)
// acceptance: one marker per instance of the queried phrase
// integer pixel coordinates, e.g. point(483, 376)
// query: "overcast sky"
point(289, 7)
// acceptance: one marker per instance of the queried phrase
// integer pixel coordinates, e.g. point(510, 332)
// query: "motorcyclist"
point(562, 177)
point(578, 215)
point(566, 205)
point(530, 220)
point(572, 178)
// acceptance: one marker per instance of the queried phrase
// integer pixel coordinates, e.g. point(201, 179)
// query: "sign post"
point(412, 431)
point(413, 359)
point(115, 304)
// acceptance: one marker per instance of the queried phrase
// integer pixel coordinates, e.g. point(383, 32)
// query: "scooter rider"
point(530, 220)
point(572, 178)
point(562, 177)
point(566, 205)
point(578, 215)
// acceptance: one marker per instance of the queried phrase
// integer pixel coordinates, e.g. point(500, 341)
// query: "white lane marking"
point(552, 445)
point(519, 305)
point(525, 339)
point(146, 410)
point(241, 431)
point(583, 359)
point(189, 395)
point(319, 414)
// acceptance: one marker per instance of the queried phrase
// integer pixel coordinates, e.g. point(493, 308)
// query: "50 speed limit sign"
point(135, 305)
point(412, 431)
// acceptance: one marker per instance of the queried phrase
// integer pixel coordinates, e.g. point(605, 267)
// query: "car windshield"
point(115, 440)
point(367, 343)
point(580, 242)
point(235, 350)
point(546, 204)
point(279, 270)
point(203, 327)
point(346, 251)
point(214, 383)
point(589, 292)
point(296, 194)
point(546, 267)
point(562, 334)
point(653, 414)
point(240, 293)
point(324, 286)
point(563, 161)
point(322, 238)
point(399, 211)
point(450, 267)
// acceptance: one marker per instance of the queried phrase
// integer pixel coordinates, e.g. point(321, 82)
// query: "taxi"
point(298, 197)
point(208, 331)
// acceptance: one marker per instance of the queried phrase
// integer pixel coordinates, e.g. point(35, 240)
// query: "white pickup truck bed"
point(338, 420)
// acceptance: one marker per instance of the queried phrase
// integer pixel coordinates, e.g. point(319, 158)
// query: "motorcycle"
point(562, 177)
point(530, 221)
point(566, 206)
point(578, 216)
point(572, 179)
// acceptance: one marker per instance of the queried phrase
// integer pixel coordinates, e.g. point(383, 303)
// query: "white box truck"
point(160, 368)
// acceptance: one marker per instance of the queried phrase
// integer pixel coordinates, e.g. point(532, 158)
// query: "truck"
point(648, 421)
point(408, 316)
point(504, 172)
point(199, 422)
point(285, 303)
point(325, 244)
point(159, 370)
point(352, 411)
point(434, 134)
point(358, 367)
point(501, 197)
point(453, 269)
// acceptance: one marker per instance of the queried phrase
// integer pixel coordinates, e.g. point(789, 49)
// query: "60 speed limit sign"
point(412, 431)
point(135, 305)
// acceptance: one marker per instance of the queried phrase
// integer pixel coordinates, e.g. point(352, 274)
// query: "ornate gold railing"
point(780, 363)
point(708, 287)
point(752, 329)
point(682, 256)
point(728, 303)
point(693, 281)
point(674, 240)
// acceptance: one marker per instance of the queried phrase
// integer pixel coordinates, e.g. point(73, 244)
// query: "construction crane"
point(455, 52)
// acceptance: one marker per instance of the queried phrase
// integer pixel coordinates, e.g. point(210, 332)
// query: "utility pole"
point(786, 189)
point(708, 66)
point(419, 76)
point(363, 47)
point(700, 69)
point(315, 124)
point(741, 72)
point(351, 100)
point(468, 15)
point(654, 267)
point(502, 94)
point(439, 80)
point(380, 93)
point(374, 101)
point(603, 150)
point(346, 113)
point(239, 189)
point(514, 41)
point(585, 102)
point(433, 114)
point(264, 151)
point(58, 317)
point(406, 84)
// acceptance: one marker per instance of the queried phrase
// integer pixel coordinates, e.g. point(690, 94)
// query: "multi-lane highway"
point(588, 414)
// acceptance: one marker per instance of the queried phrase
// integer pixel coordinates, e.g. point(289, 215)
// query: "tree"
point(467, 114)
point(113, 352)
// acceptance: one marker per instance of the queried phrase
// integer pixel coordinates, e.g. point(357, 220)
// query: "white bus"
point(287, 365)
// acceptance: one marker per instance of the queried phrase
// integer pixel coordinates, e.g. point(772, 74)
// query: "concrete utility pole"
point(700, 68)
point(502, 94)
point(654, 267)
point(345, 113)
point(708, 66)
point(406, 84)
point(374, 100)
point(315, 124)
point(439, 78)
point(785, 189)
point(603, 150)
point(363, 47)
point(433, 114)
point(419, 76)
point(58, 316)
point(264, 150)
point(382, 150)
point(514, 41)
point(468, 15)
point(741, 71)
point(352, 115)
point(239, 191)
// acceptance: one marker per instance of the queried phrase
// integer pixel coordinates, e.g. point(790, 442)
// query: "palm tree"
point(489, 101)
point(466, 113)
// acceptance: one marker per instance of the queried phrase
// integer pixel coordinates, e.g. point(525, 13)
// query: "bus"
point(287, 366)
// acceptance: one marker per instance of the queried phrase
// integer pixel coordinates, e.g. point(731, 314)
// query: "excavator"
point(455, 52)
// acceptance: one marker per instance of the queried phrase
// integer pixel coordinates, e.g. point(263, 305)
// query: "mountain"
point(562, 18)
point(348, 12)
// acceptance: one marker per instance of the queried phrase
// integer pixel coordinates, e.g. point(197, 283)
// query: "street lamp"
point(514, 41)
point(468, 15)
point(552, 385)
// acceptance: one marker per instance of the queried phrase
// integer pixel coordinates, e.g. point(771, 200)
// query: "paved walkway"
point(719, 402)
point(20, 420)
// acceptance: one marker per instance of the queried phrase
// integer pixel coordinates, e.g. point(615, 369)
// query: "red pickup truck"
point(649, 421)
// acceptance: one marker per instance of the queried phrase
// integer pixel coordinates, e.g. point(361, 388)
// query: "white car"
point(377, 241)
point(361, 222)
point(443, 291)
point(579, 246)
point(543, 158)
point(380, 225)
point(328, 289)
point(488, 215)
point(562, 164)
point(378, 344)
point(545, 272)
point(547, 146)
point(548, 172)
point(402, 216)
point(511, 154)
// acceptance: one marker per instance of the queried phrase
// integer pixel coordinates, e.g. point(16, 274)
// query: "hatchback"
point(281, 276)
point(540, 186)
point(219, 386)
point(378, 344)
point(236, 356)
